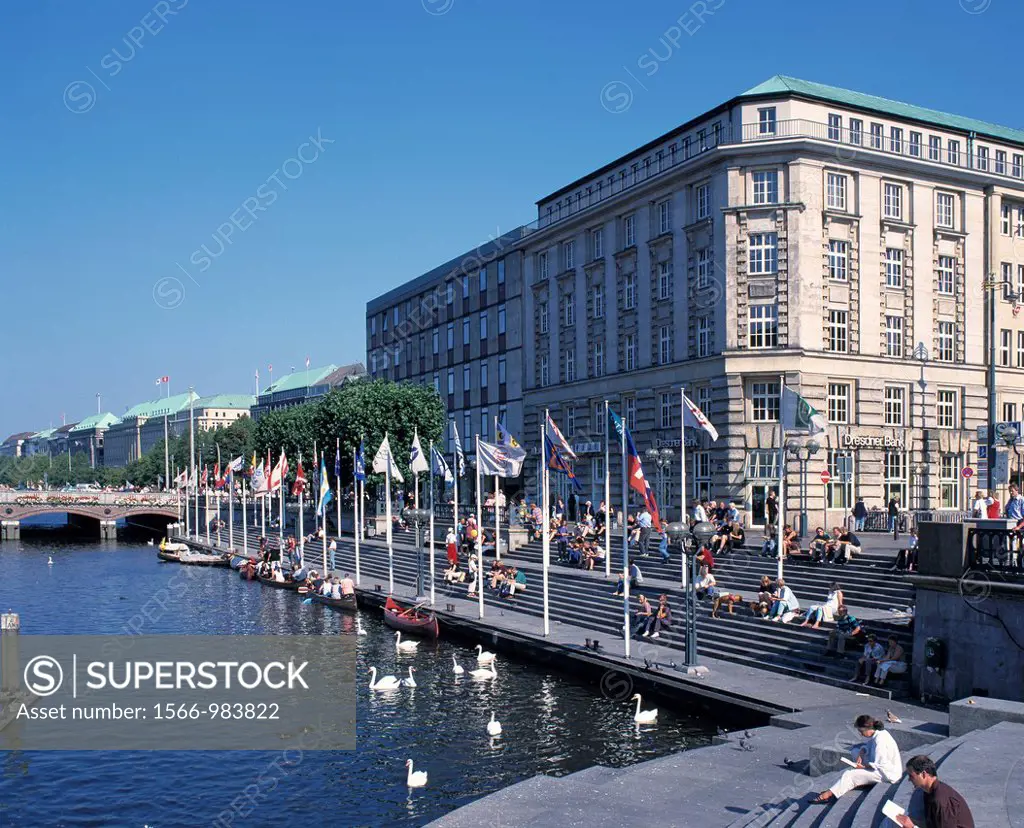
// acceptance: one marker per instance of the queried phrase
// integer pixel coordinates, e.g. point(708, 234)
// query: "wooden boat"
point(289, 584)
point(202, 559)
point(169, 550)
point(347, 603)
point(410, 619)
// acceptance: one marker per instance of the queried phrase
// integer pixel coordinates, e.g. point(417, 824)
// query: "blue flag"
point(360, 469)
point(325, 488)
point(337, 462)
point(557, 463)
point(441, 466)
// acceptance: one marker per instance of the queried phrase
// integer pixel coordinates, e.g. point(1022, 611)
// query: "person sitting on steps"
point(824, 612)
point(847, 629)
point(878, 760)
point(866, 664)
point(894, 661)
point(635, 579)
point(764, 600)
point(642, 614)
point(662, 618)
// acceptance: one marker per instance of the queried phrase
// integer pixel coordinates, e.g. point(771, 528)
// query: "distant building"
point(87, 436)
point(304, 386)
point(14, 445)
point(60, 440)
point(38, 443)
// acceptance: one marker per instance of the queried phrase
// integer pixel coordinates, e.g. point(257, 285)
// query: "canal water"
point(552, 723)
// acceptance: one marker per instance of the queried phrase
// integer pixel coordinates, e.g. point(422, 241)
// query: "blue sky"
point(440, 122)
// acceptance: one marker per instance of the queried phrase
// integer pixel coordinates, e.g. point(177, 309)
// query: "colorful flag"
point(181, 480)
point(278, 473)
point(635, 469)
point(499, 461)
point(557, 438)
point(163, 380)
point(504, 436)
point(325, 488)
point(202, 479)
point(558, 464)
point(460, 458)
point(441, 466)
point(259, 479)
point(360, 469)
point(337, 462)
point(384, 460)
point(798, 414)
point(694, 418)
point(299, 485)
point(417, 461)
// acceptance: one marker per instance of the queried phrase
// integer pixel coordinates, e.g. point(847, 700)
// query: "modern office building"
point(305, 386)
point(458, 327)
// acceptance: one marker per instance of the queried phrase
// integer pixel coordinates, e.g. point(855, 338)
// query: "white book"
point(892, 810)
point(846, 761)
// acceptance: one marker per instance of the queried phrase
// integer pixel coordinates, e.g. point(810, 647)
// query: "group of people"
point(577, 547)
point(648, 621)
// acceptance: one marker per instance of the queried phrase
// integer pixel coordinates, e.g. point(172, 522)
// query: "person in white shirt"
point(699, 515)
point(878, 760)
point(325, 588)
point(979, 508)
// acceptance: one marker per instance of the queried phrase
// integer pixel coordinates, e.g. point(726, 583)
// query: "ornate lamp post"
point(419, 517)
point(661, 459)
point(803, 452)
point(690, 541)
point(1011, 438)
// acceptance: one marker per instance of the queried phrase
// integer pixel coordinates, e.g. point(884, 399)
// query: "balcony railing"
point(848, 143)
point(995, 550)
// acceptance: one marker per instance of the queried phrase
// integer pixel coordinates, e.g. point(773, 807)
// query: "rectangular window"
point(766, 187)
point(665, 410)
point(665, 345)
point(703, 336)
point(945, 409)
point(630, 352)
point(395, 313)
point(915, 144)
point(467, 428)
point(703, 201)
point(894, 397)
point(1019, 229)
point(835, 127)
point(568, 255)
point(451, 382)
point(1018, 289)
point(839, 491)
point(856, 131)
point(702, 475)
point(598, 294)
point(570, 421)
point(945, 275)
point(983, 158)
point(763, 329)
point(1005, 215)
point(570, 365)
point(629, 291)
point(1009, 412)
point(876, 136)
point(485, 424)
point(598, 359)
point(451, 335)
point(665, 217)
point(895, 477)
point(435, 337)
point(702, 140)
point(703, 268)
point(542, 313)
point(1018, 164)
point(437, 384)
point(597, 419)
point(766, 120)
point(952, 152)
point(763, 254)
point(501, 271)
point(384, 321)
point(838, 260)
point(483, 324)
point(1000, 162)
point(893, 267)
point(629, 412)
point(894, 336)
point(895, 140)
point(949, 481)
point(944, 350)
point(839, 402)
point(762, 464)
point(542, 265)
point(545, 370)
point(1004, 347)
point(483, 374)
point(467, 381)
point(934, 147)
point(764, 402)
point(893, 201)
point(704, 399)
point(569, 309)
point(837, 331)
point(465, 331)
point(835, 191)
point(501, 370)
point(664, 280)
point(483, 280)
point(944, 209)
point(629, 231)
point(501, 319)
point(449, 294)
point(597, 243)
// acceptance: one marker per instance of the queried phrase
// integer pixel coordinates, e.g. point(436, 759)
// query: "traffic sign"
point(967, 472)
point(825, 476)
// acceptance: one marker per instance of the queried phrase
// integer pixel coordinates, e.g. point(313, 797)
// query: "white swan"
point(482, 657)
point(50, 561)
point(149, 542)
point(405, 646)
point(385, 683)
point(458, 669)
point(409, 682)
point(359, 627)
point(488, 673)
point(645, 717)
point(415, 779)
point(494, 726)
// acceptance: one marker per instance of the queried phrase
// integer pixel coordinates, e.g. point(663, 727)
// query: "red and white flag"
point(162, 380)
point(300, 481)
point(278, 473)
point(693, 417)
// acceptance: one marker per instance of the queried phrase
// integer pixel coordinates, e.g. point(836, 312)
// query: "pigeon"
point(892, 718)
point(792, 763)
point(747, 734)
point(745, 745)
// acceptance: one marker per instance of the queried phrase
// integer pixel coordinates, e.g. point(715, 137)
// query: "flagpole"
point(362, 507)
point(280, 503)
point(387, 507)
point(245, 525)
point(316, 473)
point(196, 469)
point(323, 508)
point(356, 506)
point(192, 460)
point(782, 472)
point(231, 513)
point(263, 514)
point(187, 521)
point(206, 509)
point(455, 496)
point(337, 485)
point(607, 496)
point(302, 531)
point(497, 518)
point(479, 534)
point(625, 543)
point(416, 478)
point(682, 477)
point(431, 451)
point(545, 523)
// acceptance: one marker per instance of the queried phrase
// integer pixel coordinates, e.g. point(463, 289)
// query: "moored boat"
point(410, 620)
point(347, 603)
point(287, 584)
point(170, 550)
point(237, 561)
point(202, 559)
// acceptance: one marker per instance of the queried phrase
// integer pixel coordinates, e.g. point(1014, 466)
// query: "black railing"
point(996, 550)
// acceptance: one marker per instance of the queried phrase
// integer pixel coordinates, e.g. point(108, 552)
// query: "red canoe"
point(410, 620)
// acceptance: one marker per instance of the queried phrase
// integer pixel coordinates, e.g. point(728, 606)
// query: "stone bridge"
point(105, 508)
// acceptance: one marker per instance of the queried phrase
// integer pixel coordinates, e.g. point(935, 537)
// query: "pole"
point(231, 513)
point(782, 475)
point(192, 460)
point(546, 525)
point(263, 514)
point(206, 511)
point(497, 520)
point(324, 527)
point(682, 475)
point(280, 504)
point(387, 512)
point(455, 494)
point(362, 507)
point(607, 497)
point(245, 525)
point(356, 506)
point(167, 458)
point(479, 535)
point(337, 488)
point(302, 531)
point(431, 450)
point(625, 543)
point(216, 498)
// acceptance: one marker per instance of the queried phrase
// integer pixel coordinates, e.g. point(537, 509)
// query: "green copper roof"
point(245, 401)
point(94, 421)
point(782, 85)
point(158, 407)
point(301, 379)
point(44, 434)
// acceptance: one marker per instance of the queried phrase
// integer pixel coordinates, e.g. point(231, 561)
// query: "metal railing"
point(994, 550)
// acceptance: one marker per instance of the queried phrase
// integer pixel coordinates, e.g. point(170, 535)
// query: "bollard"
point(588, 645)
point(10, 680)
point(376, 587)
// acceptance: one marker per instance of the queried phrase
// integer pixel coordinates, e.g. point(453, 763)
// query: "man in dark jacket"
point(943, 806)
point(860, 515)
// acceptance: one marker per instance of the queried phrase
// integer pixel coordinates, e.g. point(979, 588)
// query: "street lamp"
point(661, 459)
point(690, 541)
point(803, 452)
point(1010, 436)
point(418, 517)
